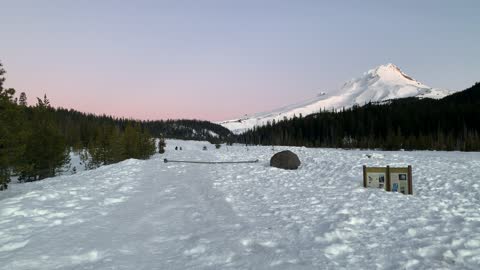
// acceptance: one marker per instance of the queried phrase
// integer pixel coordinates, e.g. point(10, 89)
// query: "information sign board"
point(374, 177)
point(394, 179)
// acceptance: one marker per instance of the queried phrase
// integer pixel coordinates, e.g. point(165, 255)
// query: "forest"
point(451, 123)
point(36, 139)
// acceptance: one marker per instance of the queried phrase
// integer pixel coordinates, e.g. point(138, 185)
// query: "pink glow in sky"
point(217, 60)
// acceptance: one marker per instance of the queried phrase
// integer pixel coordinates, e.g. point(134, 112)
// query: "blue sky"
point(216, 60)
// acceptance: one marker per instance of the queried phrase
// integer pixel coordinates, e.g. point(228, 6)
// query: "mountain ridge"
point(385, 82)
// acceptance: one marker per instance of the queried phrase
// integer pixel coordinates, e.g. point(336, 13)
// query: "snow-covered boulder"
point(285, 160)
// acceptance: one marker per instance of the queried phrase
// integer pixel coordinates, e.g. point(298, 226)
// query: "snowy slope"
point(152, 215)
point(382, 83)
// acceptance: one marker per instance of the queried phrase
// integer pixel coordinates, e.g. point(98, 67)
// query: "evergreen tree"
point(9, 149)
point(161, 145)
point(131, 137)
point(46, 152)
point(22, 100)
point(2, 78)
point(11, 132)
point(137, 142)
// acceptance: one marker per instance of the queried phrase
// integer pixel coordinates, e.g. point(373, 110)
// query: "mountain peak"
point(390, 72)
point(389, 68)
point(390, 65)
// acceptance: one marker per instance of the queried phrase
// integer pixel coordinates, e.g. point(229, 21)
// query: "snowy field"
point(155, 215)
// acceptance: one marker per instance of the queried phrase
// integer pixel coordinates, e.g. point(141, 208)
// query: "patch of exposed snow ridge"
point(383, 83)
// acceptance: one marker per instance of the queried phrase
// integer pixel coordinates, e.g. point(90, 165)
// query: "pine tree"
point(161, 145)
point(106, 148)
point(2, 79)
point(46, 152)
point(11, 132)
point(4, 142)
point(22, 100)
point(7, 111)
point(137, 142)
point(130, 142)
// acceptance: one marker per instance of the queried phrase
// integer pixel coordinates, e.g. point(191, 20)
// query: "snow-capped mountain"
point(383, 83)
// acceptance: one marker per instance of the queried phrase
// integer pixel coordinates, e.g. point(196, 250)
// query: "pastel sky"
point(217, 60)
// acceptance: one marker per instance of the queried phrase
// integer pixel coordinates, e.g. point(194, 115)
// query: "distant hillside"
point(189, 130)
point(467, 97)
point(175, 129)
point(450, 123)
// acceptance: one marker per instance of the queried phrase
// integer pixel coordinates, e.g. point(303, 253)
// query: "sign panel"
point(400, 180)
point(374, 177)
point(388, 178)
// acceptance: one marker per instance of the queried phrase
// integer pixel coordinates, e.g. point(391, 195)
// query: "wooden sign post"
point(394, 179)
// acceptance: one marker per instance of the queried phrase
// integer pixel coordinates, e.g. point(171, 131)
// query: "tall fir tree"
point(22, 100)
point(11, 131)
point(2, 78)
point(46, 152)
point(161, 144)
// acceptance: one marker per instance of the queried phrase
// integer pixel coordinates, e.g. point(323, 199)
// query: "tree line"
point(450, 123)
point(36, 144)
point(36, 140)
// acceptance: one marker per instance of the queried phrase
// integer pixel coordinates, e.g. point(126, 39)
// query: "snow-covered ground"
point(155, 215)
